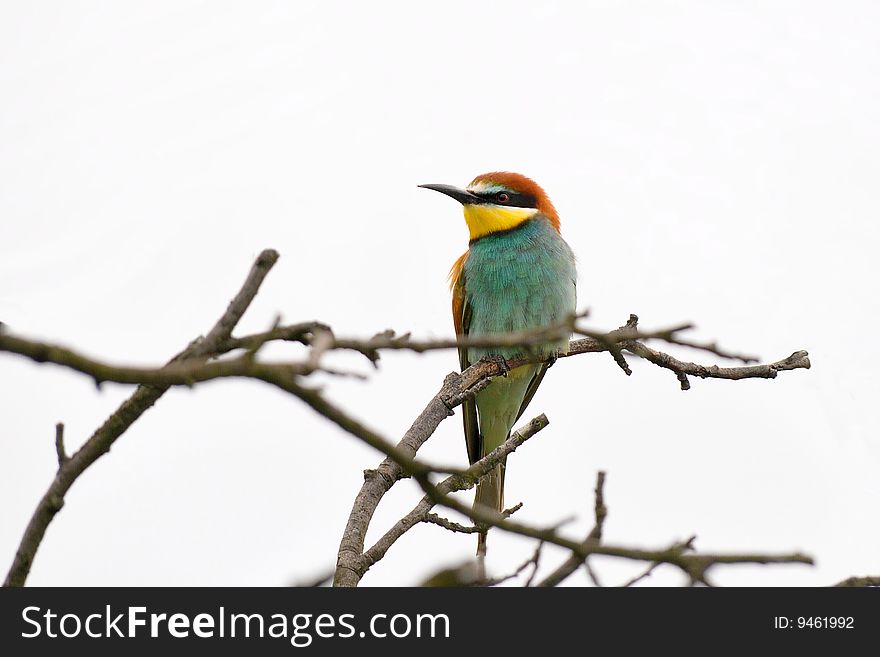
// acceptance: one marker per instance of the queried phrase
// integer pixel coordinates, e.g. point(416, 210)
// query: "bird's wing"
point(461, 316)
point(539, 375)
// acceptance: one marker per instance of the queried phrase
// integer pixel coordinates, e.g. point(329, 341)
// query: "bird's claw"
point(500, 361)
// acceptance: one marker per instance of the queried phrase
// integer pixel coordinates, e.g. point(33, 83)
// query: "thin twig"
point(433, 518)
point(570, 565)
point(59, 445)
point(594, 577)
point(600, 511)
point(531, 561)
point(509, 512)
point(536, 558)
point(440, 521)
point(301, 333)
point(686, 545)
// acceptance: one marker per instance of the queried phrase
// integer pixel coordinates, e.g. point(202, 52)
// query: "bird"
point(517, 274)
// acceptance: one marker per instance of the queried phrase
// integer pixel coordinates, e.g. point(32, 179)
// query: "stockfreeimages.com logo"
point(299, 629)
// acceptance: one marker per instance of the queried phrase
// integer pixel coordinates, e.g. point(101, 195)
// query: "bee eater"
point(518, 274)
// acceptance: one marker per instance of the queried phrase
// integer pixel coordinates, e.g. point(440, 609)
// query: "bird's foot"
point(552, 361)
point(499, 361)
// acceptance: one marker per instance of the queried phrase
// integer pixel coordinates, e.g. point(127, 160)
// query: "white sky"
point(711, 162)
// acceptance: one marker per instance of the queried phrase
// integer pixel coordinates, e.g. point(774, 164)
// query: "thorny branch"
point(194, 365)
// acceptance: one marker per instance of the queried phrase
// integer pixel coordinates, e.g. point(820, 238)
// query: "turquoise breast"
point(516, 280)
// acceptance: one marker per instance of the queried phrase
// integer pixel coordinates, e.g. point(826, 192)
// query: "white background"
point(714, 162)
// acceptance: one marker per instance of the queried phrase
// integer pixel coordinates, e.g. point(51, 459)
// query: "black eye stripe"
point(515, 200)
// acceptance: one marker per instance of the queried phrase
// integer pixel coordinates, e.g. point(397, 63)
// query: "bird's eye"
point(502, 197)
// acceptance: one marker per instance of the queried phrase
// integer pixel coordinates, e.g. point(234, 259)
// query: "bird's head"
point(499, 201)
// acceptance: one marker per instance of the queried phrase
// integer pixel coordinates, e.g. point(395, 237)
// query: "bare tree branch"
point(594, 577)
point(455, 527)
point(357, 565)
point(860, 582)
point(536, 559)
point(379, 481)
point(594, 537)
point(141, 400)
point(301, 333)
point(352, 566)
point(533, 561)
point(798, 360)
point(191, 366)
point(59, 445)
point(683, 546)
point(693, 565)
point(434, 519)
point(188, 371)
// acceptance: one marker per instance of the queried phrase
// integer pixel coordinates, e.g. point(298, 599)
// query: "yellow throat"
point(483, 219)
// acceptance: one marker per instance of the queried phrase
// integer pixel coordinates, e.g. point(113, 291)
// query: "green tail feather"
point(490, 496)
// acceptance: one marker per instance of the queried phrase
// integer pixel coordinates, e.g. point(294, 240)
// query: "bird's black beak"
point(461, 195)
